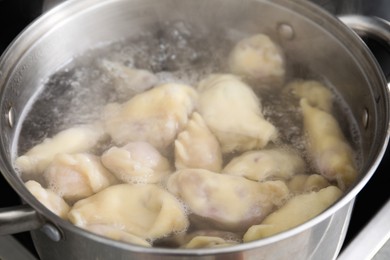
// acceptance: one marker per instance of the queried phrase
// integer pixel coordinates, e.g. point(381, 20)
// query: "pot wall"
point(320, 242)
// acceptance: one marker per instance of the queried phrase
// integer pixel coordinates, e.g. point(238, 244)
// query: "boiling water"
point(78, 92)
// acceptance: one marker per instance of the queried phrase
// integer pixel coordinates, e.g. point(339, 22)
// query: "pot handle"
point(373, 28)
point(19, 219)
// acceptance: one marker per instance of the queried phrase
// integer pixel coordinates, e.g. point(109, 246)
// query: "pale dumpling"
point(182, 239)
point(136, 162)
point(267, 164)
point(197, 147)
point(231, 203)
point(155, 116)
point(128, 81)
point(72, 140)
point(326, 144)
point(209, 239)
point(117, 234)
point(314, 92)
point(232, 111)
point(77, 176)
point(302, 183)
point(296, 211)
point(208, 242)
point(258, 58)
point(144, 210)
point(49, 199)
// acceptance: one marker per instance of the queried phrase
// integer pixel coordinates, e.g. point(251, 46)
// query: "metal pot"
point(308, 34)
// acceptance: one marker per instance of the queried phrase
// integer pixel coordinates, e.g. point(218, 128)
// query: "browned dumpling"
point(197, 147)
point(77, 176)
point(232, 111)
point(326, 144)
point(155, 116)
point(76, 139)
point(231, 203)
point(316, 94)
point(144, 210)
point(296, 211)
point(258, 58)
point(49, 199)
point(136, 162)
point(128, 81)
point(267, 164)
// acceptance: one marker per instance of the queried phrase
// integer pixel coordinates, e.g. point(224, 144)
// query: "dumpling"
point(326, 144)
point(128, 81)
point(197, 147)
point(144, 210)
point(117, 234)
point(268, 164)
point(155, 116)
point(316, 94)
point(296, 211)
point(49, 199)
point(77, 176)
point(136, 162)
point(205, 238)
point(208, 242)
point(303, 183)
point(73, 140)
point(209, 239)
point(258, 58)
point(231, 203)
point(232, 111)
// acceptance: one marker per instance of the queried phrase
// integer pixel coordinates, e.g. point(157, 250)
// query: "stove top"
point(15, 15)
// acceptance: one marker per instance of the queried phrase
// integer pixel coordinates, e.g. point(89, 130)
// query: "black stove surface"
point(15, 15)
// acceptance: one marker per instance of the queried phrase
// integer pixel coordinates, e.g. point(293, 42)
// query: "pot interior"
point(313, 42)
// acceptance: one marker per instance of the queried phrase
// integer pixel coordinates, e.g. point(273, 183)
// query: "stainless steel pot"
point(308, 34)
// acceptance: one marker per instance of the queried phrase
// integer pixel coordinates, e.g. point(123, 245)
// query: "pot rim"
point(77, 7)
